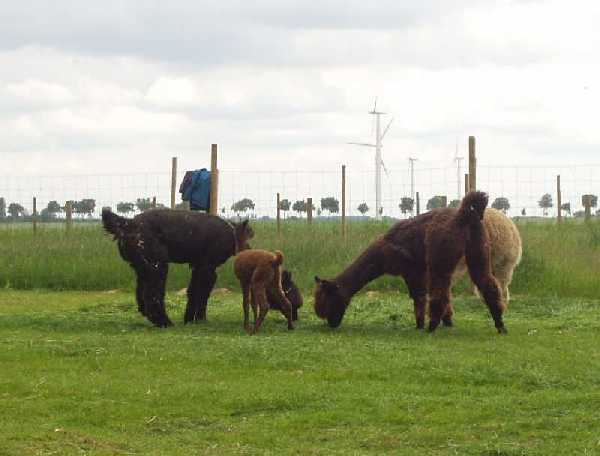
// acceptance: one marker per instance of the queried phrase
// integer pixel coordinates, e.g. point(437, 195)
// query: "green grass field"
point(558, 260)
point(82, 373)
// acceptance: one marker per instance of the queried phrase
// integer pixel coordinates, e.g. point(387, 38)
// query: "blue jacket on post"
point(195, 188)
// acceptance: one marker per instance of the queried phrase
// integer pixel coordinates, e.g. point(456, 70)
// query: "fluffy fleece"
point(424, 251)
point(259, 273)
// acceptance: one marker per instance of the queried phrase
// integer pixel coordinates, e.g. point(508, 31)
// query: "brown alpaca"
point(259, 273)
point(505, 249)
point(424, 251)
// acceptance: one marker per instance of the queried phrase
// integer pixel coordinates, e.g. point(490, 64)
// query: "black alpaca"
point(153, 239)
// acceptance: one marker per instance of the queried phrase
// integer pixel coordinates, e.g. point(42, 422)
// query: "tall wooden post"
point(558, 200)
point(34, 216)
point(278, 214)
point(214, 181)
point(472, 165)
point(586, 201)
point(466, 184)
point(173, 181)
point(418, 204)
point(309, 210)
point(344, 230)
point(69, 215)
point(154, 202)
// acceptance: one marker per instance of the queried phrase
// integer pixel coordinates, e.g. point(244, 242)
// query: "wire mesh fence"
point(523, 187)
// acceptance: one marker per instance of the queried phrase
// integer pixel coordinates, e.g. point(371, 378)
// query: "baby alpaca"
point(291, 292)
point(259, 273)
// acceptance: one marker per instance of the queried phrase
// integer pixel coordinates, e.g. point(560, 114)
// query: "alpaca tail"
point(114, 224)
point(278, 261)
point(472, 208)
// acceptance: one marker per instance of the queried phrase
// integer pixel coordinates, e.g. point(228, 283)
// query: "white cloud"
point(124, 86)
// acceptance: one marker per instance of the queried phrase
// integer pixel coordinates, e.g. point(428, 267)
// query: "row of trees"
point(84, 207)
point(330, 204)
point(407, 205)
point(546, 203)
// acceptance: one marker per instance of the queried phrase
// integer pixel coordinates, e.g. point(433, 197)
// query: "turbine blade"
point(386, 129)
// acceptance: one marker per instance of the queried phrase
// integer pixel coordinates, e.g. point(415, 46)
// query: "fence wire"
point(523, 187)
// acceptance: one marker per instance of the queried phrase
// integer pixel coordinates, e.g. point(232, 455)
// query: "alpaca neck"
point(367, 267)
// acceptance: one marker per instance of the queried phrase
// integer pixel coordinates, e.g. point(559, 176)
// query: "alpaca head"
point(243, 233)
point(292, 293)
point(330, 302)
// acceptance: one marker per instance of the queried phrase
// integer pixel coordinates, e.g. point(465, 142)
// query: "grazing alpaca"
point(153, 239)
point(291, 291)
point(259, 273)
point(424, 251)
point(505, 249)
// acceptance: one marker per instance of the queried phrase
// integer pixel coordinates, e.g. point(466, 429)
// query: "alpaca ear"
point(317, 279)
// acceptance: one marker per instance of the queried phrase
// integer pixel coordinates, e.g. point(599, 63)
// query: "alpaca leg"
point(246, 306)
point(210, 278)
point(258, 290)
point(154, 294)
point(503, 274)
point(201, 284)
point(139, 292)
point(439, 298)
point(192, 295)
point(254, 305)
point(447, 318)
point(285, 305)
point(418, 293)
point(478, 262)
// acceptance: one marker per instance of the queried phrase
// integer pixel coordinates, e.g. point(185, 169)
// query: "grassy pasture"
point(559, 260)
point(82, 373)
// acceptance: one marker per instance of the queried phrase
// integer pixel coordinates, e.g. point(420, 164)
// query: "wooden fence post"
point(472, 165)
point(418, 204)
point(173, 181)
point(34, 216)
point(309, 210)
point(586, 201)
point(214, 181)
point(278, 214)
point(69, 215)
point(344, 230)
point(466, 184)
point(558, 200)
point(154, 202)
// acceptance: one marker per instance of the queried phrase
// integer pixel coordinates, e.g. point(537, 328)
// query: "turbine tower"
point(378, 160)
point(412, 177)
point(458, 159)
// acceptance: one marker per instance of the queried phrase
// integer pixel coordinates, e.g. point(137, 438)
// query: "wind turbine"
point(378, 161)
point(458, 159)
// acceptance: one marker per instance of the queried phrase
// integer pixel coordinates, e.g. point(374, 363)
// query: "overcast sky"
point(112, 86)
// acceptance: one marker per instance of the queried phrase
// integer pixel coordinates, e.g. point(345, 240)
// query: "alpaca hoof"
point(290, 328)
point(502, 330)
point(420, 326)
point(448, 323)
point(433, 326)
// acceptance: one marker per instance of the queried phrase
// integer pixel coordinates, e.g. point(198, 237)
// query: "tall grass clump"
point(558, 260)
